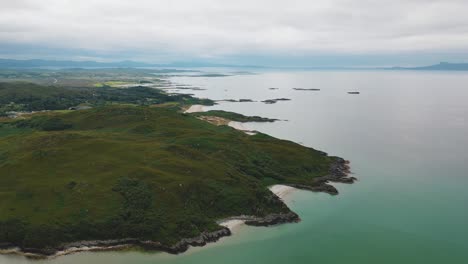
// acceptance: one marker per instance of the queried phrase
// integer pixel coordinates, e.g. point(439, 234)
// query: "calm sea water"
point(406, 136)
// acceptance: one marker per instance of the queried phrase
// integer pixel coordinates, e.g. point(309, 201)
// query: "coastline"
point(229, 225)
point(218, 120)
point(338, 172)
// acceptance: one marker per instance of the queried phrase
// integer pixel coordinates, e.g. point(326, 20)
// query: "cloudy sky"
point(258, 32)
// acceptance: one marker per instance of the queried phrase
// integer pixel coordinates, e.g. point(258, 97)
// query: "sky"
point(244, 32)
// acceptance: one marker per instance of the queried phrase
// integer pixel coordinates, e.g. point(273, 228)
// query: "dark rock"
point(305, 89)
point(41, 251)
point(179, 247)
point(273, 101)
point(4, 245)
point(201, 240)
point(269, 101)
point(274, 219)
point(339, 171)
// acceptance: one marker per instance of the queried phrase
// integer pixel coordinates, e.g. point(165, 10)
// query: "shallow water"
point(406, 138)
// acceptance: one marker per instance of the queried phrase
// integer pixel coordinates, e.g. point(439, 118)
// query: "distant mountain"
point(37, 63)
point(443, 66)
point(8, 63)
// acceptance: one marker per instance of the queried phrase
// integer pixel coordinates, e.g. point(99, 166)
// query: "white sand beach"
point(282, 191)
point(233, 224)
point(240, 126)
point(194, 109)
point(237, 125)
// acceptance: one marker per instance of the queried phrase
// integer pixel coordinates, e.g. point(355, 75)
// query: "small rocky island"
point(306, 89)
point(236, 101)
point(274, 101)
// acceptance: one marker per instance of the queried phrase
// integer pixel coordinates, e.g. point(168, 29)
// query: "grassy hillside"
point(136, 171)
point(22, 96)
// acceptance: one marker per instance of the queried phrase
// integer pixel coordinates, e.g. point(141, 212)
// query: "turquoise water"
point(406, 138)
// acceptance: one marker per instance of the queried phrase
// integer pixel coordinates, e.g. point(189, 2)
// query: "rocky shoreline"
point(339, 172)
point(119, 244)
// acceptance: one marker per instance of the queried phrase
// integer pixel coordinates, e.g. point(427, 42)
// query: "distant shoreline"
point(70, 64)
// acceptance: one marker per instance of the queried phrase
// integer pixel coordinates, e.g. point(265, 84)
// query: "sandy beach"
point(240, 126)
point(217, 120)
point(237, 125)
point(234, 225)
point(282, 191)
point(194, 109)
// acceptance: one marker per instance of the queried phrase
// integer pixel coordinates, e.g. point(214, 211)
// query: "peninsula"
point(131, 169)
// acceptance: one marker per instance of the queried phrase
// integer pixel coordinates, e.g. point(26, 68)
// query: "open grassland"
point(111, 84)
point(82, 77)
point(22, 96)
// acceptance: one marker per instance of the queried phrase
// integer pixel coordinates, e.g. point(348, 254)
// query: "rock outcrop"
point(114, 244)
point(273, 219)
point(339, 171)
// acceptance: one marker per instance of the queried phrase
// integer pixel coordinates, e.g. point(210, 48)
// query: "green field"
point(23, 96)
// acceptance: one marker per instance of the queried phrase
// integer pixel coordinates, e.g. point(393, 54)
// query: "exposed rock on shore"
point(339, 172)
point(115, 244)
point(179, 247)
point(183, 245)
point(274, 219)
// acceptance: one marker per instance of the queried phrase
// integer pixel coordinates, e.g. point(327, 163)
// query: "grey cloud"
point(219, 27)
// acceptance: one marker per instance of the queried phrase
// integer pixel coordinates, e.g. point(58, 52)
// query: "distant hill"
point(37, 63)
point(442, 66)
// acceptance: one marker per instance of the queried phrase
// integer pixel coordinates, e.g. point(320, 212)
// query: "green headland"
point(131, 168)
